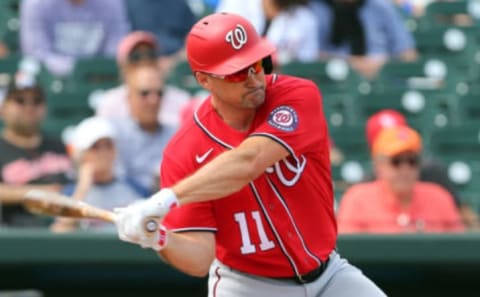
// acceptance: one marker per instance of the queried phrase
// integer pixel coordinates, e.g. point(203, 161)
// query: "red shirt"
point(282, 223)
point(371, 207)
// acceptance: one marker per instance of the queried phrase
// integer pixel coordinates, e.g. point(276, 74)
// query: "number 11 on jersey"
point(247, 246)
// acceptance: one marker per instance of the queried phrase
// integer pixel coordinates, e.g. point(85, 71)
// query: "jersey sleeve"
point(296, 120)
point(190, 217)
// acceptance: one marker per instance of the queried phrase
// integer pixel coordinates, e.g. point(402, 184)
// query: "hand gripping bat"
point(54, 204)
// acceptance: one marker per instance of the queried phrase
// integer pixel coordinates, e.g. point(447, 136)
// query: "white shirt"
point(294, 32)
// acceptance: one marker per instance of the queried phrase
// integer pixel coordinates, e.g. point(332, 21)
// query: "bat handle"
point(151, 225)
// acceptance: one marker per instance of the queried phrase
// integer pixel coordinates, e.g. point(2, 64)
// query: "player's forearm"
point(191, 252)
point(230, 171)
point(227, 174)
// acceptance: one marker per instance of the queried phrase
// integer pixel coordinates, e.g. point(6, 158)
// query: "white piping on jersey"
point(282, 201)
point(274, 230)
point(297, 169)
point(210, 134)
point(209, 229)
point(283, 143)
point(274, 78)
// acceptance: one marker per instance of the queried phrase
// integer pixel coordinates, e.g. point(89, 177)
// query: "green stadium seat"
point(9, 65)
point(422, 74)
point(340, 109)
point(10, 23)
point(468, 109)
point(447, 13)
point(93, 73)
point(456, 46)
point(458, 148)
point(424, 110)
point(66, 109)
point(182, 77)
point(333, 76)
point(351, 142)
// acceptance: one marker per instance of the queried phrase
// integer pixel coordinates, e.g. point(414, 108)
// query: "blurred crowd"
point(112, 157)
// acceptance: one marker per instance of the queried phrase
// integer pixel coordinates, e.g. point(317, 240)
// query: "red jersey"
point(283, 222)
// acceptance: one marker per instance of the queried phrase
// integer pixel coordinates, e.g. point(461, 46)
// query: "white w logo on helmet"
point(237, 37)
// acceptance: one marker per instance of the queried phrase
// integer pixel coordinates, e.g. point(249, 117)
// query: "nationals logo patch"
point(283, 118)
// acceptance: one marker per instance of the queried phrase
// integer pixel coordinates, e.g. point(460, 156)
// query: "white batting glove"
point(132, 221)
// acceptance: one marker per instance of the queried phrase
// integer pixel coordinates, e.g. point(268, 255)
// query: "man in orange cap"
point(431, 169)
point(397, 201)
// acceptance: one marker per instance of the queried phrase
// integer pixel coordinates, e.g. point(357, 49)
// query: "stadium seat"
point(10, 23)
point(458, 147)
point(351, 142)
point(65, 109)
point(448, 12)
point(340, 109)
point(423, 74)
point(423, 109)
point(456, 46)
point(9, 65)
point(333, 76)
point(182, 77)
point(468, 109)
point(93, 73)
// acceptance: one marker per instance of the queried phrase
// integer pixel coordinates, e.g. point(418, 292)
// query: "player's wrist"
point(166, 198)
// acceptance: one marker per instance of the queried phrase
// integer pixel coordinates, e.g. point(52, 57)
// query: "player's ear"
point(203, 80)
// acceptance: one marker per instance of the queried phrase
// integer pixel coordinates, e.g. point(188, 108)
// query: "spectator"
point(57, 32)
point(397, 201)
point(366, 32)
point(293, 28)
point(27, 155)
point(93, 151)
point(169, 20)
point(140, 136)
point(290, 25)
point(251, 9)
point(431, 169)
point(140, 48)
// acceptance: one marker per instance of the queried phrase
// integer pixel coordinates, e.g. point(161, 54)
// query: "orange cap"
point(395, 140)
point(383, 119)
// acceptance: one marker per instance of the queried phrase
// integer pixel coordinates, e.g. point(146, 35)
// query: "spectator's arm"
point(401, 41)
point(118, 26)
point(35, 41)
point(11, 194)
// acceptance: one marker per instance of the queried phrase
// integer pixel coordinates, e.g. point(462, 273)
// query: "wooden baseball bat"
point(54, 204)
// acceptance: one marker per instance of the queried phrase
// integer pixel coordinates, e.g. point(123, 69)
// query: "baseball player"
point(247, 192)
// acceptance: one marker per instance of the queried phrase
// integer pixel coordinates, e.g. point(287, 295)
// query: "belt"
point(310, 276)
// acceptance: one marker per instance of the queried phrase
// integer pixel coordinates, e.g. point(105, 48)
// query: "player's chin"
point(255, 98)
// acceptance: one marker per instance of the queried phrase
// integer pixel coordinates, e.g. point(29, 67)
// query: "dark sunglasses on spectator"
point(411, 160)
point(136, 56)
point(37, 100)
point(243, 74)
point(146, 92)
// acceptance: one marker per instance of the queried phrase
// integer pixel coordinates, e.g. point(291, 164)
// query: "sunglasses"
point(36, 101)
point(137, 56)
point(146, 92)
point(243, 74)
point(412, 161)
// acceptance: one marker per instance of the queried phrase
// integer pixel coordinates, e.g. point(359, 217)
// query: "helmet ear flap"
point(267, 64)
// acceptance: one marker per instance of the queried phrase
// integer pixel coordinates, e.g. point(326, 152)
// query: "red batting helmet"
point(224, 43)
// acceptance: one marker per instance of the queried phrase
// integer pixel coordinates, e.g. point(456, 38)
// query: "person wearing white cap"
point(92, 148)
